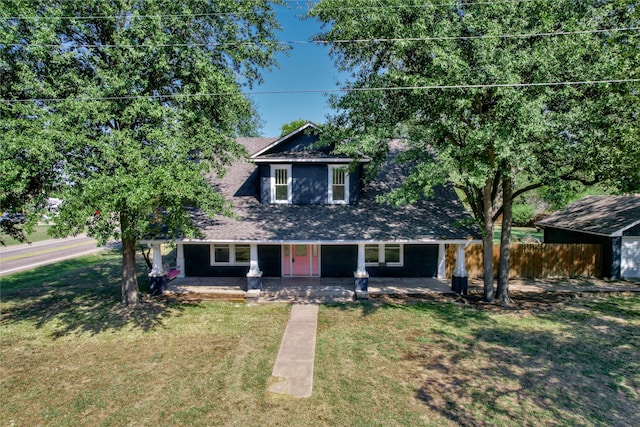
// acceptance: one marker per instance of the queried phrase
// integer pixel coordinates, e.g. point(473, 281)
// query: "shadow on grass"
point(449, 312)
point(576, 367)
point(81, 295)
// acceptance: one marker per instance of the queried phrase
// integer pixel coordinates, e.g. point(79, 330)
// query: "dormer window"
point(281, 184)
point(338, 185)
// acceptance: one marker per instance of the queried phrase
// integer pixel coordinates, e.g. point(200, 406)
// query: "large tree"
point(136, 103)
point(467, 84)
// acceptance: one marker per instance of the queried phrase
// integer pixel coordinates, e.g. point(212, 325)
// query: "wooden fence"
point(535, 260)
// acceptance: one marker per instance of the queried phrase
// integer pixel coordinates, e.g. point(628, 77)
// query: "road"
point(23, 257)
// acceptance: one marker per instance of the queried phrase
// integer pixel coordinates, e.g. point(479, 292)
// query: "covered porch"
point(300, 289)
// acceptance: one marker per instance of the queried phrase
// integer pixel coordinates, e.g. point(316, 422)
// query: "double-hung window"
point(338, 184)
point(389, 255)
point(281, 184)
point(229, 254)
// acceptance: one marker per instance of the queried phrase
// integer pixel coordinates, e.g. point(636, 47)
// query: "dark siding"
point(197, 263)
point(633, 231)
point(611, 247)
point(270, 260)
point(196, 260)
point(354, 186)
point(339, 260)
point(419, 261)
point(265, 180)
point(299, 142)
point(310, 184)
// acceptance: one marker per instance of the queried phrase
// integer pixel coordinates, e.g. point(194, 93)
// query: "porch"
point(300, 289)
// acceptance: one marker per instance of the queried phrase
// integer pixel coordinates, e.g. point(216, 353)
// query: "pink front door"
point(300, 260)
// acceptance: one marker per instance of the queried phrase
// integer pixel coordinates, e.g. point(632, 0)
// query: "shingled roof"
point(436, 218)
point(604, 215)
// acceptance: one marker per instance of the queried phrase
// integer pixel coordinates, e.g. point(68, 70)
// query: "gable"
point(296, 145)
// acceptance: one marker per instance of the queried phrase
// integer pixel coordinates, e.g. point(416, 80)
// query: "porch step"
point(307, 294)
point(229, 295)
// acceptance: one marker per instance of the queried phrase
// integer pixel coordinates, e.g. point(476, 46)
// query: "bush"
point(523, 215)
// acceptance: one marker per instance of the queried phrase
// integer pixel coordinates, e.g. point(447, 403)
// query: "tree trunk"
point(505, 241)
point(487, 242)
point(129, 279)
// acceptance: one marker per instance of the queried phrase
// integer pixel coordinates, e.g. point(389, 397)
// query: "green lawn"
point(39, 233)
point(71, 356)
point(518, 234)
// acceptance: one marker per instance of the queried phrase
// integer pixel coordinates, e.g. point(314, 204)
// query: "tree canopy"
point(128, 107)
point(287, 128)
point(487, 93)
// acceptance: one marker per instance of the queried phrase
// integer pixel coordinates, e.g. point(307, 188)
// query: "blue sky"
point(306, 67)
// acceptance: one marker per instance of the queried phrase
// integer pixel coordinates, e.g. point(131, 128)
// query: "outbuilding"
point(612, 221)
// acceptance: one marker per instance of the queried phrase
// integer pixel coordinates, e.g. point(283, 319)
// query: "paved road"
point(23, 257)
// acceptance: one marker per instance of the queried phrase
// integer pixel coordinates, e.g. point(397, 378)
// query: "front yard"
point(71, 356)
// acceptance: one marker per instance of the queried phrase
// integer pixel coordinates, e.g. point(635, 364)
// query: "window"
point(230, 254)
point(383, 255)
point(243, 254)
point(338, 184)
point(281, 184)
point(392, 255)
point(371, 254)
point(221, 254)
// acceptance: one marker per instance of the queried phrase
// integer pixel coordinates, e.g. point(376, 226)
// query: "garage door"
point(630, 257)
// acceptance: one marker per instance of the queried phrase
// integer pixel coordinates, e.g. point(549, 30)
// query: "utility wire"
point(347, 89)
point(311, 4)
point(70, 45)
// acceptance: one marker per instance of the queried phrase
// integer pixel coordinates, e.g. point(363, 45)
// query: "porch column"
point(361, 276)
point(157, 277)
point(254, 276)
point(442, 261)
point(180, 259)
point(459, 280)
point(157, 269)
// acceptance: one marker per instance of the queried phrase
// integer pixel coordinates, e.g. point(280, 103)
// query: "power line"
point(306, 91)
point(309, 7)
point(339, 41)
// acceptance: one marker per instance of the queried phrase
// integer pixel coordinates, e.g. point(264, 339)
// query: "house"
point(612, 221)
point(304, 211)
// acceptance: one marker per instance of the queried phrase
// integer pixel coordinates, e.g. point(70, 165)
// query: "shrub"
point(523, 215)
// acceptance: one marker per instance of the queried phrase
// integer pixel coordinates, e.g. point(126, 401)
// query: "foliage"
point(523, 215)
point(291, 126)
point(131, 105)
point(441, 67)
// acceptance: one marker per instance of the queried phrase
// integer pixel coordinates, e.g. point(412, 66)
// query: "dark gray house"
point(612, 221)
point(304, 211)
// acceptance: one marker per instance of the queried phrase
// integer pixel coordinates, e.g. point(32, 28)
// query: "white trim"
point(330, 170)
point(341, 160)
point(381, 255)
point(272, 184)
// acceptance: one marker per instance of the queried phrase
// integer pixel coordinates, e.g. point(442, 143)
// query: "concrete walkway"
point(293, 371)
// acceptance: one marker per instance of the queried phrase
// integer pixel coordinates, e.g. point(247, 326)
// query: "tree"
point(438, 75)
point(291, 126)
point(141, 103)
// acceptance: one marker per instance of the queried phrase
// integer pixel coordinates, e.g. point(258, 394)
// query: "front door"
point(300, 260)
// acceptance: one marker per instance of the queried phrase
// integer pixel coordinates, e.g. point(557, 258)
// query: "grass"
point(71, 356)
point(39, 233)
point(518, 234)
